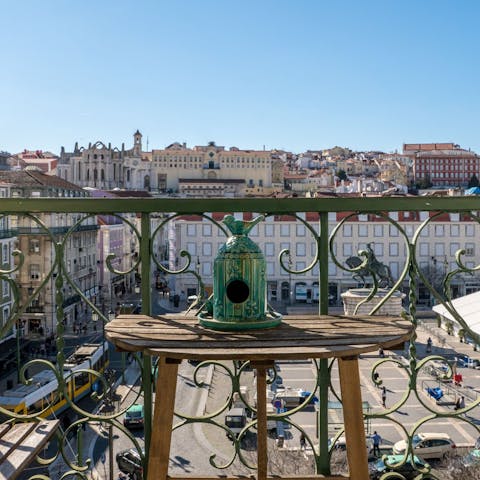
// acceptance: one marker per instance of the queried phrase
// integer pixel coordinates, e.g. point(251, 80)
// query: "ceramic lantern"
point(239, 283)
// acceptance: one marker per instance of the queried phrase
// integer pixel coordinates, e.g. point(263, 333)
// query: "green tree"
point(473, 182)
point(341, 175)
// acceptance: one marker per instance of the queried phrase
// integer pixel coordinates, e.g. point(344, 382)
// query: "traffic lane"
point(395, 380)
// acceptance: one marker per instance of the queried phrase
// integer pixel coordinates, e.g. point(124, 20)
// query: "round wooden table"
point(175, 337)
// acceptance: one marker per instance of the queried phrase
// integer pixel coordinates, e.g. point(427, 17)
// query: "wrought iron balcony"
point(327, 223)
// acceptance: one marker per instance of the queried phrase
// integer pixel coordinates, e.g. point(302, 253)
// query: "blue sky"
point(294, 74)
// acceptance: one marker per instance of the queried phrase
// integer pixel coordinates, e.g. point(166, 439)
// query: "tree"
point(424, 182)
point(341, 174)
point(473, 182)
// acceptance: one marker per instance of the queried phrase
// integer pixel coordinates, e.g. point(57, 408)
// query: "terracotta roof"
point(25, 178)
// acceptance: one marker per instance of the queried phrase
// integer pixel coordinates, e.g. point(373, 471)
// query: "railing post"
point(146, 292)
point(323, 465)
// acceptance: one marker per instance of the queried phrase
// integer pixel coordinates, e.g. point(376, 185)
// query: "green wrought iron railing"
point(324, 234)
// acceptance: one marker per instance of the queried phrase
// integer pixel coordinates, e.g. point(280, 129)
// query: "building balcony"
point(382, 247)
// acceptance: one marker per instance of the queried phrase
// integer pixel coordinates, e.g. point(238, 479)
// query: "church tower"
point(137, 143)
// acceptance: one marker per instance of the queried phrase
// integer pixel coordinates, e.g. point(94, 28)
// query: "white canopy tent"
point(468, 307)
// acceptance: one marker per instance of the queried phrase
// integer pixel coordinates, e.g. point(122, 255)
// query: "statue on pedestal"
point(373, 268)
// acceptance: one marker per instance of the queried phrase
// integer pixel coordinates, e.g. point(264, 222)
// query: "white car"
point(427, 445)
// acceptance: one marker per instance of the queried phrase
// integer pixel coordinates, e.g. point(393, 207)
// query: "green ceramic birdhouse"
point(239, 283)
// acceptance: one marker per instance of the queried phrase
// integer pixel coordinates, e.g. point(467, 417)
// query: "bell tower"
point(137, 143)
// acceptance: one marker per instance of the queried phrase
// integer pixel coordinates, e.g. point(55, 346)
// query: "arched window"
point(102, 175)
point(128, 175)
point(88, 174)
point(114, 172)
point(79, 172)
point(146, 182)
point(95, 176)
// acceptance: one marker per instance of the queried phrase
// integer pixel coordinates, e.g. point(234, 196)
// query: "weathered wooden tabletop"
point(21, 443)
point(299, 336)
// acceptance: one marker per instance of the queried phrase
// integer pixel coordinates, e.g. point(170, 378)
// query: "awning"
point(468, 307)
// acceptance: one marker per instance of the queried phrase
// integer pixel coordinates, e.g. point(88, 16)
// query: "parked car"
point(134, 417)
point(465, 361)
point(409, 471)
point(427, 445)
point(129, 462)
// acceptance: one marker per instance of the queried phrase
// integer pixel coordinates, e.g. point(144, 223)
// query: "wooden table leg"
point(353, 418)
point(262, 459)
point(159, 455)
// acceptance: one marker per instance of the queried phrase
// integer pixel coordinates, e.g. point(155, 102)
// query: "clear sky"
point(296, 74)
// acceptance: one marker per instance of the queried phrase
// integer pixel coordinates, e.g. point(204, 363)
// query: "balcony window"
point(34, 271)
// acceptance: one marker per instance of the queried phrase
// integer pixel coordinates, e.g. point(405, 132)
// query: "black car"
point(382, 466)
point(129, 462)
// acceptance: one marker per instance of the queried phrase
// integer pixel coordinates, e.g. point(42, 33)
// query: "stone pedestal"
point(352, 297)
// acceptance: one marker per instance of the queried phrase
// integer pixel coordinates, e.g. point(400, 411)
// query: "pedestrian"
point(375, 379)
point(429, 345)
point(376, 443)
point(384, 397)
point(381, 353)
point(460, 403)
point(303, 442)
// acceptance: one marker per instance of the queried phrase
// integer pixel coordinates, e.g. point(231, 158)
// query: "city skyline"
point(273, 74)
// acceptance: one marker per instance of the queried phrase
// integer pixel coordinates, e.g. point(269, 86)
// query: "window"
point(439, 231)
point(300, 250)
point(363, 217)
point(363, 231)
point(469, 230)
point(378, 249)
point(469, 249)
point(301, 230)
point(453, 248)
point(378, 230)
point(347, 249)
point(5, 253)
point(424, 249)
point(269, 249)
point(207, 249)
point(5, 288)
point(192, 248)
point(207, 230)
point(393, 231)
point(300, 265)
point(454, 230)
point(394, 216)
point(394, 269)
point(34, 245)
point(191, 230)
point(206, 268)
point(34, 271)
point(439, 249)
point(347, 230)
point(269, 230)
point(271, 268)
point(393, 249)
point(284, 230)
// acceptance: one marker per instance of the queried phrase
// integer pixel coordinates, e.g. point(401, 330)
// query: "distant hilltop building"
point(44, 161)
point(208, 170)
point(441, 164)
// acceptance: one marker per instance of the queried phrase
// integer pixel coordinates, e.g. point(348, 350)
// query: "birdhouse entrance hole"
point(237, 291)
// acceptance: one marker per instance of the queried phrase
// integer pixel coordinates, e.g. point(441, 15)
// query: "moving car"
point(129, 462)
point(427, 445)
point(134, 416)
point(409, 471)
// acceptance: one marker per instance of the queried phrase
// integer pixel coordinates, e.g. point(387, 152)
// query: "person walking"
point(384, 397)
point(303, 442)
point(376, 443)
point(429, 345)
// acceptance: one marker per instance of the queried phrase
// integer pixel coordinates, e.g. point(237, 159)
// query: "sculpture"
point(373, 268)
